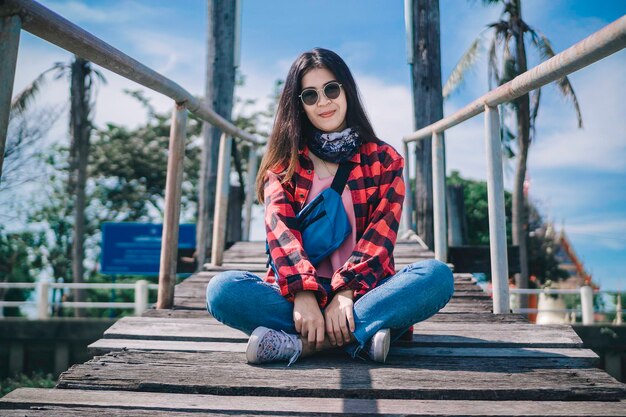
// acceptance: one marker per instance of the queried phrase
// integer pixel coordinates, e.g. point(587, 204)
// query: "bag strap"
point(341, 177)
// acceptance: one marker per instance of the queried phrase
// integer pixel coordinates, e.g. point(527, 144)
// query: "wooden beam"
point(44, 23)
point(169, 242)
point(10, 27)
point(608, 40)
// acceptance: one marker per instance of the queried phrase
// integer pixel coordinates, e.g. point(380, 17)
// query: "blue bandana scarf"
point(335, 147)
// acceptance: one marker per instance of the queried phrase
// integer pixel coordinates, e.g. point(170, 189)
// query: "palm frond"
point(543, 44)
point(509, 69)
point(458, 73)
point(568, 92)
point(492, 66)
point(25, 97)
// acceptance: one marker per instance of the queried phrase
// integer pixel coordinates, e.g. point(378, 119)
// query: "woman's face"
point(327, 115)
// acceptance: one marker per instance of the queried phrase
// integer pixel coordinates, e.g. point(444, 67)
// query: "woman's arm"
point(295, 271)
point(371, 256)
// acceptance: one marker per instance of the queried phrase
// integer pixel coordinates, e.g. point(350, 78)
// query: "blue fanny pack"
point(323, 223)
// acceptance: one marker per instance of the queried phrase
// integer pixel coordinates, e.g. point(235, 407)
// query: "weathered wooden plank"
point(454, 306)
point(424, 334)
point(443, 378)
point(460, 289)
point(248, 258)
point(104, 346)
point(173, 329)
point(103, 401)
point(468, 318)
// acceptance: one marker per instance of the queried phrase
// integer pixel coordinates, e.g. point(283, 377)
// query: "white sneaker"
point(379, 345)
point(267, 345)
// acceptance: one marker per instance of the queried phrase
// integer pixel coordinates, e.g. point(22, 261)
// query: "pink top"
point(339, 257)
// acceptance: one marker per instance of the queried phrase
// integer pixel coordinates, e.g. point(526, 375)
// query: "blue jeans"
point(244, 301)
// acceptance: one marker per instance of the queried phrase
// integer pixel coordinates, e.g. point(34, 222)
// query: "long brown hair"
point(292, 126)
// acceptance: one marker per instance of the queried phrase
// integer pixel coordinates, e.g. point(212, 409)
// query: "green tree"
point(20, 261)
point(542, 261)
point(82, 80)
point(509, 34)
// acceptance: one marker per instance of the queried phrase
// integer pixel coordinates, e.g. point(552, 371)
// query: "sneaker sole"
point(384, 337)
point(253, 344)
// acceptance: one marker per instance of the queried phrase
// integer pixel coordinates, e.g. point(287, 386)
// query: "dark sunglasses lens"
point(309, 97)
point(332, 90)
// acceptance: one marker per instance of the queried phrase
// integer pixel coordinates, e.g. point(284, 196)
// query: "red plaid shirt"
point(377, 189)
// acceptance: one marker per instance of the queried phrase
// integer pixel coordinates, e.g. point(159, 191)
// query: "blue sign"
point(135, 248)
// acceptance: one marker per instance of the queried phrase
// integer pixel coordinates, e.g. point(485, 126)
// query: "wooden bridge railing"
point(42, 22)
point(606, 41)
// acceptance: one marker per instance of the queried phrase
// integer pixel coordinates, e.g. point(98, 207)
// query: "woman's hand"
point(308, 318)
point(340, 318)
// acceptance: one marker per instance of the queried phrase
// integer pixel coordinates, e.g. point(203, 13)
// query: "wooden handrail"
point(601, 44)
point(46, 24)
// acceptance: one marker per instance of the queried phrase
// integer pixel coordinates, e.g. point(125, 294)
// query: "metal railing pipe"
point(497, 220)
point(439, 198)
point(601, 44)
point(253, 161)
point(221, 200)
point(10, 28)
point(169, 242)
point(586, 302)
point(46, 24)
point(407, 213)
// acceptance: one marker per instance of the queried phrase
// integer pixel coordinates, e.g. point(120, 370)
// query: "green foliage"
point(126, 182)
point(36, 380)
point(477, 210)
point(542, 247)
point(20, 261)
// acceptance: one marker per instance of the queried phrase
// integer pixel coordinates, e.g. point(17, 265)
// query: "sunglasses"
point(310, 96)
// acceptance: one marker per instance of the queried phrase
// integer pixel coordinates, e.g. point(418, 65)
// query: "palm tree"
point(82, 82)
point(511, 32)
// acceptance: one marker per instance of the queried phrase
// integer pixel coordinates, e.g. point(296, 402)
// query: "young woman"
point(354, 298)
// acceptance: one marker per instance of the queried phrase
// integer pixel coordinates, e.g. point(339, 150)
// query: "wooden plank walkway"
point(462, 361)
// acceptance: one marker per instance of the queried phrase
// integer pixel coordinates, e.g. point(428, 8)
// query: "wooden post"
point(10, 28)
point(586, 302)
point(427, 104)
point(439, 198)
point(618, 310)
point(497, 221)
point(16, 357)
point(141, 296)
point(407, 212)
point(219, 93)
point(221, 200)
point(253, 160)
point(169, 241)
point(457, 221)
point(43, 303)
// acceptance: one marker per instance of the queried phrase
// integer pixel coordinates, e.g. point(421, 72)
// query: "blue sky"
point(578, 177)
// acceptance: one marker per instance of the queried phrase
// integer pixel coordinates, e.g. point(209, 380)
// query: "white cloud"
point(109, 12)
point(388, 106)
point(167, 53)
point(606, 233)
point(601, 145)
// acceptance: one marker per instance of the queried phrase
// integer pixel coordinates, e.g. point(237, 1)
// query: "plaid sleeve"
point(295, 272)
point(372, 256)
